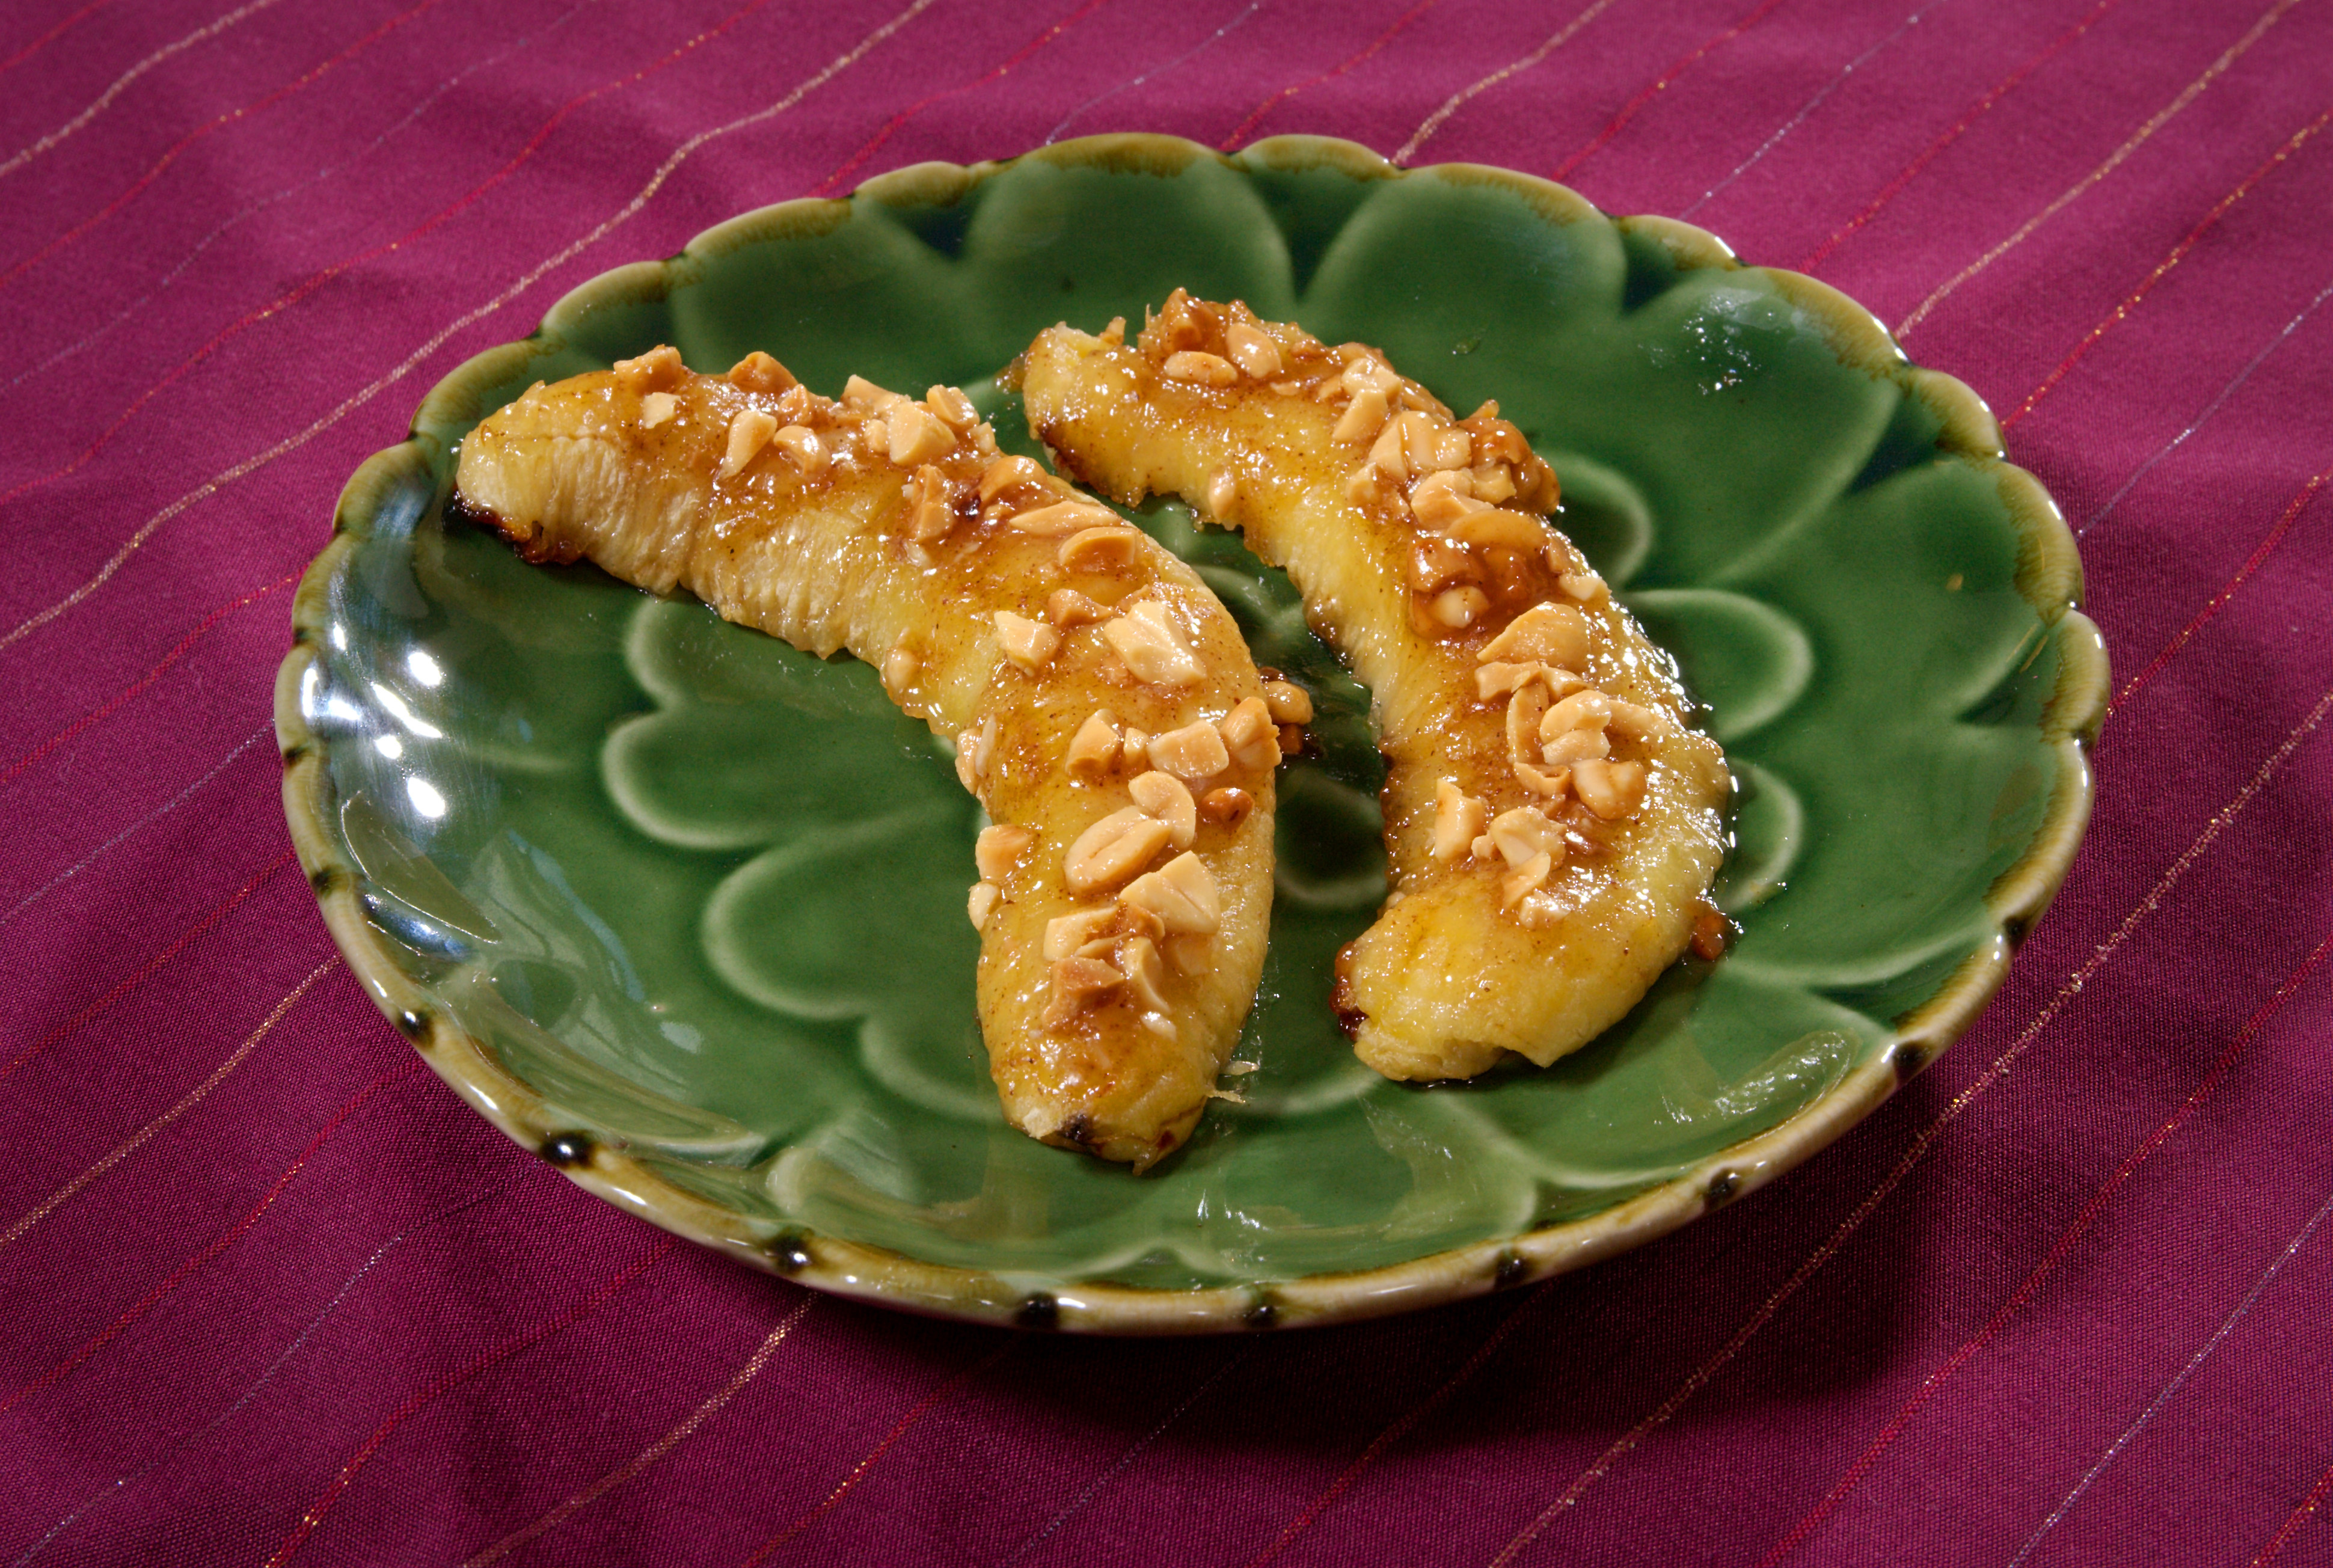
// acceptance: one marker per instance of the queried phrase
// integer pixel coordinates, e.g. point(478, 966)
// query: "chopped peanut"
point(1553, 634)
point(1395, 451)
point(660, 367)
point(1287, 702)
point(1253, 352)
point(1460, 607)
point(859, 392)
point(1250, 735)
point(1207, 369)
point(1611, 789)
point(1585, 586)
point(1109, 548)
point(1063, 518)
point(1028, 644)
point(982, 903)
point(1228, 806)
point(1006, 472)
point(1498, 679)
point(1134, 920)
point(1496, 526)
point(1440, 499)
point(1576, 746)
point(1078, 983)
point(998, 847)
point(1195, 752)
point(1492, 680)
point(1435, 564)
point(1363, 418)
point(1067, 934)
point(1493, 482)
point(1365, 374)
point(1153, 647)
point(657, 408)
point(1585, 709)
point(1163, 796)
point(974, 748)
point(1146, 976)
point(1452, 449)
point(1113, 849)
point(1386, 453)
point(1520, 833)
point(1181, 893)
point(757, 372)
point(1528, 878)
point(953, 407)
point(749, 432)
point(1541, 781)
point(916, 436)
point(1065, 607)
point(1093, 750)
point(899, 668)
point(1459, 820)
point(929, 515)
point(1524, 711)
point(801, 449)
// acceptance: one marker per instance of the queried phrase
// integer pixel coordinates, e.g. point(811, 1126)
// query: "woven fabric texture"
point(272, 1295)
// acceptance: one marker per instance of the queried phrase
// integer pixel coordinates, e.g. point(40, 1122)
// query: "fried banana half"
point(1105, 710)
point(1553, 822)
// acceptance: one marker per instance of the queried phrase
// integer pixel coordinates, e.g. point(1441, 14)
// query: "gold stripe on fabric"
point(2113, 160)
point(193, 1097)
point(121, 83)
point(655, 1451)
point(2178, 253)
point(1459, 100)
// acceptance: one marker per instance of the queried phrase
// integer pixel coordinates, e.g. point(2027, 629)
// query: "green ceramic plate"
point(611, 864)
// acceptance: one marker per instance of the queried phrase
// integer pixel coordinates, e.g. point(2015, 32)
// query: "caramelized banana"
point(1553, 822)
point(1087, 676)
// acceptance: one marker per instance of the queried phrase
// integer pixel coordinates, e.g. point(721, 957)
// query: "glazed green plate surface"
point(683, 909)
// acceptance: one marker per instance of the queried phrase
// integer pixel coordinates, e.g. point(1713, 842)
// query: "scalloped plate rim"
point(2049, 579)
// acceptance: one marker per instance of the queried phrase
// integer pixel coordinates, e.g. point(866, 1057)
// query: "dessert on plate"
point(1105, 710)
point(1553, 819)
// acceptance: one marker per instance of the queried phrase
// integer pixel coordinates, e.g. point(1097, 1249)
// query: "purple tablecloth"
point(271, 1293)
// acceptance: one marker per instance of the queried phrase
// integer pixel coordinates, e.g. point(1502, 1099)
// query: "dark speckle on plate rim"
point(567, 1150)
